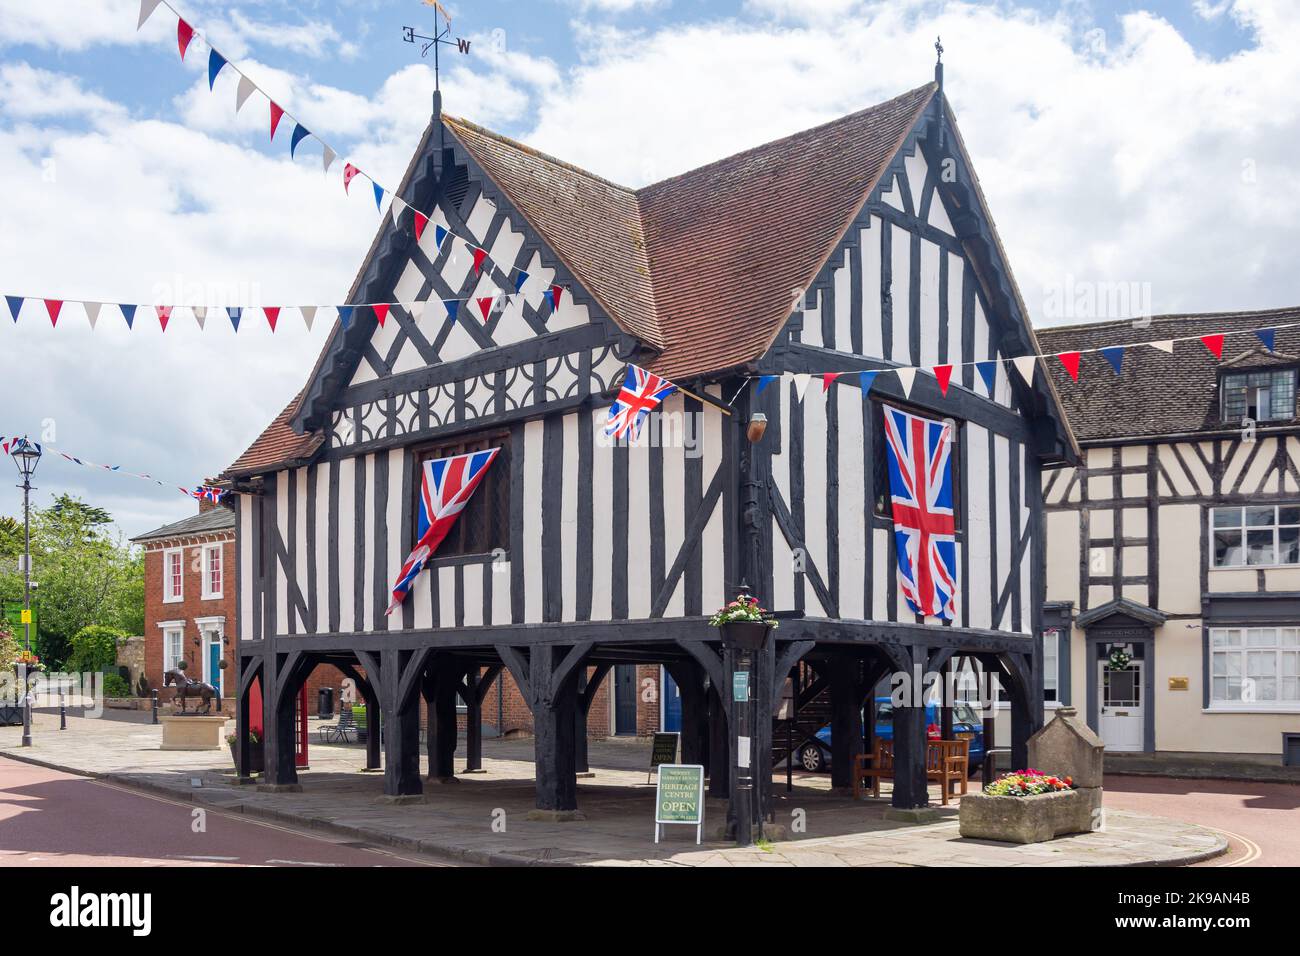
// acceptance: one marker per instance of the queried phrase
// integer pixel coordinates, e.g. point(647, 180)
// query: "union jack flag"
point(207, 491)
point(640, 394)
point(920, 481)
point(445, 489)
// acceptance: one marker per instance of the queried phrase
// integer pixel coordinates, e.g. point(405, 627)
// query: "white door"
point(1120, 705)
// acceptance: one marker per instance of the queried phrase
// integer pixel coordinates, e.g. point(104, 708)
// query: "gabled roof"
point(205, 522)
point(1122, 607)
point(278, 445)
point(1158, 394)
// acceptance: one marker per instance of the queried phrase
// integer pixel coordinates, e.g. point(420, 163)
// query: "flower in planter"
point(743, 610)
point(29, 660)
point(1027, 783)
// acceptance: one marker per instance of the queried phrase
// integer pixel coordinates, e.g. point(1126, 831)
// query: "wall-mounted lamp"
point(757, 428)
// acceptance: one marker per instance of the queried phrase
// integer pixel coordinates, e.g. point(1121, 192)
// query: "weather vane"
point(441, 37)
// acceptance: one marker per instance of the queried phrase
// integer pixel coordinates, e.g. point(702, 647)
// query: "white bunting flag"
point(1166, 346)
point(906, 376)
point(308, 315)
point(396, 210)
point(147, 7)
point(200, 315)
point(414, 309)
point(92, 312)
point(1025, 365)
point(801, 380)
point(242, 94)
point(328, 158)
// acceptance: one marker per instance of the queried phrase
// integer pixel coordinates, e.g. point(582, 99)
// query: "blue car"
point(815, 755)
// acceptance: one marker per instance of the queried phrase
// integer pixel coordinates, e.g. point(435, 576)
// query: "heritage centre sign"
point(679, 797)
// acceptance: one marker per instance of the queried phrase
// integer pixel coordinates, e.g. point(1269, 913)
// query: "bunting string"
point(13, 445)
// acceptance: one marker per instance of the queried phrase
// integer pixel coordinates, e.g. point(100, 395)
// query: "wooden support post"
point(580, 759)
point(243, 716)
point(442, 722)
point(945, 701)
point(764, 667)
point(1023, 725)
point(373, 733)
point(402, 731)
point(473, 722)
point(910, 790)
point(719, 765)
point(279, 724)
point(554, 723)
point(846, 719)
point(689, 678)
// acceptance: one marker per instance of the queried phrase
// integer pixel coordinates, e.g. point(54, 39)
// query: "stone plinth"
point(1067, 747)
point(1028, 819)
point(192, 733)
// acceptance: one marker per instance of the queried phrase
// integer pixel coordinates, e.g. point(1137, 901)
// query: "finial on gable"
point(938, 63)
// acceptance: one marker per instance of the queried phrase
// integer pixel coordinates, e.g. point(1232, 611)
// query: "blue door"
point(214, 665)
point(672, 703)
point(625, 700)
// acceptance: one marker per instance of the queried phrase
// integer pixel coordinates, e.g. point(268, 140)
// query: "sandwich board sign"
point(679, 797)
point(663, 751)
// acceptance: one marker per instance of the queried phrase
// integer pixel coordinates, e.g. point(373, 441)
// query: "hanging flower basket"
point(1118, 659)
point(744, 623)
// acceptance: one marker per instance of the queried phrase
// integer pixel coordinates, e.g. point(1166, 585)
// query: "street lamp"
point(26, 455)
point(743, 639)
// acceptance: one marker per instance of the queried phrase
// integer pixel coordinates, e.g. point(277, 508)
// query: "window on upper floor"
point(1254, 667)
point(1255, 535)
point(173, 583)
point(880, 465)
point(1261, 396)
point(212, 571)
point(484, 524)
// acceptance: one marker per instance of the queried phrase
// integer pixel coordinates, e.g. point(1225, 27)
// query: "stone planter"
point(256, 758)
point(1027, 819)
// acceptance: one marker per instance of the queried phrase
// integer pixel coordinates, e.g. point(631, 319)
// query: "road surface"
point(51, 818)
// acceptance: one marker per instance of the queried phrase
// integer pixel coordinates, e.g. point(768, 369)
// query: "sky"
point(1141, 146)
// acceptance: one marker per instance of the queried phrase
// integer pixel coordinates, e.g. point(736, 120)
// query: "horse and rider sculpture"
point(186, 687)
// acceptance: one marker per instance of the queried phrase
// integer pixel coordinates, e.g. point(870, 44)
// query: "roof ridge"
point(534, 151)
point(1166, 317)
point(787, 138)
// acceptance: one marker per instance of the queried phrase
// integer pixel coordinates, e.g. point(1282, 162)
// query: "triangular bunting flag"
point(439, 236)
point(53, 306)
point(421, 220)
point(379, 195)
point(764, 381)
point(308, 315)
point(276, 114)
point(1070, 362)
point(92, 312)
point(801, 380)
point(128, 313)
point(235, 315)
point(215, 62)
point(520, 281)
point(414, 309)
point(828, 379)
point(1115, 356)
point(452, 307)
point(553, 296)
point(381, 313)
point(1025, 365)
point(327, 157)
point(272, 314)
point(349, 174)
point(184, 34)
point(15, 305)
point(147, 7)
point(989, 373)
point(200, 315)
point(300, 133)
point(244, 91)
point(866, 380)
point(480, 256)
point(944, 374)
point(906, 376)
point(164, 315)
point(1166, 346)
point(1214, 343)
point(396, 210)
point(485, 306)
point(1267, 336)
point(345, 315)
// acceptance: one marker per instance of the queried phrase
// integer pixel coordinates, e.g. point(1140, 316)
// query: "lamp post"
point(742, 639)
point(27, 455)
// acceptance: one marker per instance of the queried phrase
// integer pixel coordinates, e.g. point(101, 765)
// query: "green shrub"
point(116, 686)
point(94, 648)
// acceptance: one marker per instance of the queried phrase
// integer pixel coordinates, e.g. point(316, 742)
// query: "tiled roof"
point(277, 445)
point(205, 522)
point(1157, 393)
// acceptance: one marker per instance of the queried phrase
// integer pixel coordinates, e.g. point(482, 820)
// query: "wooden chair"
point(947, 761)
point(879, 763)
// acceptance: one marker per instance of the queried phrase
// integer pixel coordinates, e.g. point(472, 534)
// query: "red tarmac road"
point(1260, 820)
point(50, 818)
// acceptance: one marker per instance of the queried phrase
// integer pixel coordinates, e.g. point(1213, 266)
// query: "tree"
point(94, 648)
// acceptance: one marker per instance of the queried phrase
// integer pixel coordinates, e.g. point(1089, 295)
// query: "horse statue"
point(186, 688)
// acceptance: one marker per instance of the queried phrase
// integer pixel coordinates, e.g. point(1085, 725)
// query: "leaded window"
point(1260, 396)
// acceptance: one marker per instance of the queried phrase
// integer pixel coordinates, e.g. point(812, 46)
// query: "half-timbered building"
point(862, 244)
point(1176, 540)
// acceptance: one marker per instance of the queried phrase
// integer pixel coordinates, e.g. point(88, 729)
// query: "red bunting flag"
point(1070, 360)
point(381, 313)
point(557, 291)
point(349, 174)
point(1214, 343)
point(53, 306)
point(480, 255)
point(944, 374)
point(421, 221)
point(272, 315)
point(485, 306)
point(164, 315)
point(828, 379)
point(184, 34)
point(276, 114)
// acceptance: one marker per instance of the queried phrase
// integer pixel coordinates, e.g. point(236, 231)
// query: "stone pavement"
point(482, 818)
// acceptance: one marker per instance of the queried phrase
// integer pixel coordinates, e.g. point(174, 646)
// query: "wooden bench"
point(946, 762)
point(347, 725)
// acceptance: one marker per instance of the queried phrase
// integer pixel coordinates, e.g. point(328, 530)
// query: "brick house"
point(189, 597)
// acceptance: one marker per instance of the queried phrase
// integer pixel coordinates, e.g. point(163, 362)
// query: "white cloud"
point(28, 93)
